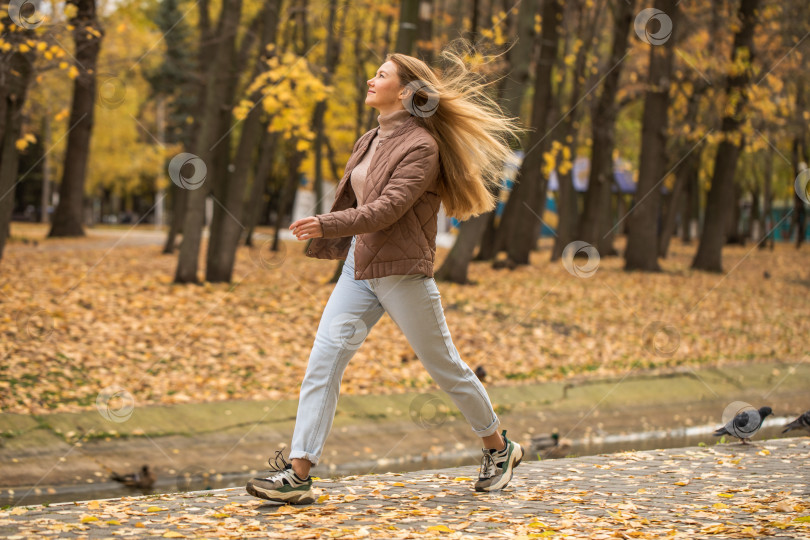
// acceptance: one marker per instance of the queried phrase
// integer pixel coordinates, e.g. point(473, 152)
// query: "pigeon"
point(802, 422)
point(745, 424)
point(141, 479)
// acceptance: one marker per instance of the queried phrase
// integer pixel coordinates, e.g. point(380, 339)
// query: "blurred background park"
point(153, 154)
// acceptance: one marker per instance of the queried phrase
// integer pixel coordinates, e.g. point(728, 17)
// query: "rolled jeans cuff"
point(490, 429)
point(300, 454)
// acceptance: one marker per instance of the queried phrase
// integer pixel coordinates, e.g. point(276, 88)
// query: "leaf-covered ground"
point(728, 491)
point(81, 315)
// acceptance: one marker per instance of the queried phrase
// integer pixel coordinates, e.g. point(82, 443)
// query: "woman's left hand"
point(306, 228)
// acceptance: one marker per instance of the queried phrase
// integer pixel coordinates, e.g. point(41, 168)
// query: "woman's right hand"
point(307, 228)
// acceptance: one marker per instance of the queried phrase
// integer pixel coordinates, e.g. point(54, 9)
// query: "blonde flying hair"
point(470, 128)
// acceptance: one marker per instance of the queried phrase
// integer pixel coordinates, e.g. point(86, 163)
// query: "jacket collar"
point(407, 125)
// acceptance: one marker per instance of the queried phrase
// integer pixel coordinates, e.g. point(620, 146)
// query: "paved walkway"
point(728, 491)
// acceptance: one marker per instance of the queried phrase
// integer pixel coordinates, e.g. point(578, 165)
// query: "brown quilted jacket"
point(396, 226)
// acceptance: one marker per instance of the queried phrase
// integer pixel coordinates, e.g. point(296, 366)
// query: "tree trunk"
point(671, 209)
point(424, 32)
point(455, 266)
point(709, 253)
point(255, 201)
point(227, 204)
point(456, 27)
point(372, 113)
point(644, 217)
point(87, 35)
point(799, 217)
point(691, 209)
point(595, 223)
point(287, 195)
point(516, 232)
point(15, 76)
point(362, 54)
point(472, 33)
point(408, 18)
point(488, 249)
point(225, 238)
point(179, 199)
point(799, 156)
point(766, 222)
point(333, 47)
point(46, 169)
point(688, 168)
point(513, 91)
point(207, 136)
point(567, 204)
point(733, 234)
point(177, 81)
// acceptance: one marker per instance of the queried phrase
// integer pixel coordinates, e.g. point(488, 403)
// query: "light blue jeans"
point(413, 302)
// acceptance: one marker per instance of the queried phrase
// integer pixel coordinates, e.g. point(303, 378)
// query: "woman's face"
point(384, 89)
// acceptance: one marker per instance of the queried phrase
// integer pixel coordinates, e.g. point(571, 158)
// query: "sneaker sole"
point(292, 497)
point(506, 477)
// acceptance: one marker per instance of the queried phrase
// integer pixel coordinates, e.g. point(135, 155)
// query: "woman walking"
point(440, 139)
